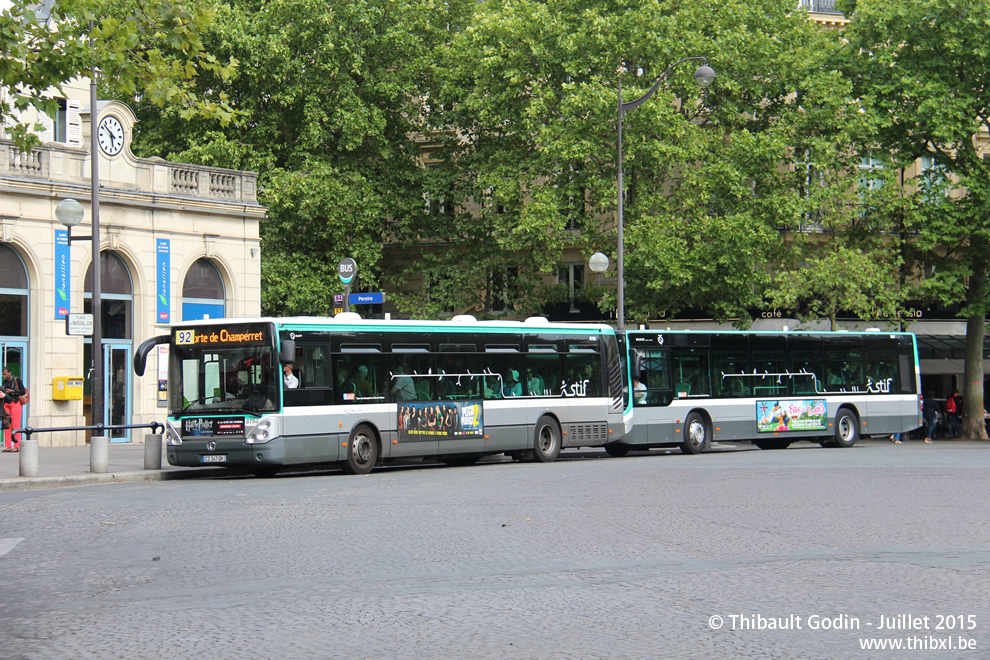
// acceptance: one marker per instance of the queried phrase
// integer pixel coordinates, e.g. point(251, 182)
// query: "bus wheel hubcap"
point(546, 439)
point(697, 433)
point(362, 448)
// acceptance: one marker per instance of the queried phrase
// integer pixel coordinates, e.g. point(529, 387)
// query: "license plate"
point(215, 458)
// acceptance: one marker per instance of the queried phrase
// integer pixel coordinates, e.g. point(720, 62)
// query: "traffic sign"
point(347, 270)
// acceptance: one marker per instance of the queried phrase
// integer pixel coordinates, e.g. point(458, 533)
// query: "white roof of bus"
point(534, 324)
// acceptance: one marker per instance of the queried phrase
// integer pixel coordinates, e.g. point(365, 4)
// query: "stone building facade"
point(177, 242)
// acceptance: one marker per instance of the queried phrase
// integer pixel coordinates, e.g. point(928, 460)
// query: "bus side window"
point(691, 371)
point(654, 372)
point(583, 375)
point(458, 376)
point(544, 374)
point(503, 374)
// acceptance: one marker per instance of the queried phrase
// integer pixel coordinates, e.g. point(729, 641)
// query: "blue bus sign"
point(366, 298)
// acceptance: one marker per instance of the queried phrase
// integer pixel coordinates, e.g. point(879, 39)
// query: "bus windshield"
point(230, 370)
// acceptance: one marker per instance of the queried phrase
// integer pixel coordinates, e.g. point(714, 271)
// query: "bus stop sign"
point(347, 270)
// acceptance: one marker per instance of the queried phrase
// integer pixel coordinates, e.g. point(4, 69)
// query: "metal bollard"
point(28, 458)
point(152, 451)
point(99, 454)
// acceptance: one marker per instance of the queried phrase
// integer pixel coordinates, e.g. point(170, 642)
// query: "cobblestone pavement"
point(583, 558)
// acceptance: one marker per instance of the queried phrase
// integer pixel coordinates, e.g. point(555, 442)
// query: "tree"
point(332, 93)
point(525, 115)
point(922, 70)
point(153, 49)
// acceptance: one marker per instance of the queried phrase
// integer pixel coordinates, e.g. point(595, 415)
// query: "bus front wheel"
point(846, 429)
point(547, 445)
point(695, 434)
point(362, 451)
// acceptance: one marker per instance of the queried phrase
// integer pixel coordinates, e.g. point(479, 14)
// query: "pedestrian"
point(929, 413)
point(13, 390)
point(952, 408)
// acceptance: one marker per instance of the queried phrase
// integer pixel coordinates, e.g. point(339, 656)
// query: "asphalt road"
point(801, 553)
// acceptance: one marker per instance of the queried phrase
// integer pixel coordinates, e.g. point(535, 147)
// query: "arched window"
point(13, 294)
point(203, 292)
point(115, 296)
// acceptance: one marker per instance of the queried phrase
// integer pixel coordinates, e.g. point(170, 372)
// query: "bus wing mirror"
point(636, 364)
point(141, 355)
point(287, 353)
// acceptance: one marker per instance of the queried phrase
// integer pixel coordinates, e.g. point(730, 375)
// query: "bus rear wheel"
point(547, 445)
point(362, 451)
point(846, 429)
point(695, 434)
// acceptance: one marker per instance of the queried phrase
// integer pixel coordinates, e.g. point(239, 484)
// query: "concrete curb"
point(39, 483)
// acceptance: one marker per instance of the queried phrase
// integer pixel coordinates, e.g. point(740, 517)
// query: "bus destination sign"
point(219, 336)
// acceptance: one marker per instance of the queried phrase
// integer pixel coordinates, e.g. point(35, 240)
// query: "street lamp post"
point(70, 213)
point(704, 77)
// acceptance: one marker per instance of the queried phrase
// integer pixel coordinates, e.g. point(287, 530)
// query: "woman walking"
point(13, 390)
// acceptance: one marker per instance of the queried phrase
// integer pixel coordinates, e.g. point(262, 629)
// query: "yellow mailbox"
point(67, 388)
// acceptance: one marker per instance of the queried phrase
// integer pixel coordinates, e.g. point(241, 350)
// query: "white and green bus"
point(771, 388)
point(365, 392)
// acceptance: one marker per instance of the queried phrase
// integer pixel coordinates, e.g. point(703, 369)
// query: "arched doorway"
point(14, 300)
point(117, 301)
point(203, 294)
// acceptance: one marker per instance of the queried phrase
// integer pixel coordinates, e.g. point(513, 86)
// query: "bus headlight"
point(172, 435)
point(263, 432)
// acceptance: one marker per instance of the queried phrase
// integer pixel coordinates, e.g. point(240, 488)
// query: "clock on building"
point(111, 135)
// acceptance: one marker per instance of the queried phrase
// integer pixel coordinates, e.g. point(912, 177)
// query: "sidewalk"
point(69, 466)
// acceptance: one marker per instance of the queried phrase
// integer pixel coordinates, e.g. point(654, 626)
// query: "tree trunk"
point(973, 425)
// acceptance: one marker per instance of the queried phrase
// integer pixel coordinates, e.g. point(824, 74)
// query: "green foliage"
point(527, 99)
point(332, 93)
point(841, 279)
point(516, 100)
point(922, 69)
point(153, 49)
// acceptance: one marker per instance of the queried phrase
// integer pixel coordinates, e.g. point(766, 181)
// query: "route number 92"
point(185, 337)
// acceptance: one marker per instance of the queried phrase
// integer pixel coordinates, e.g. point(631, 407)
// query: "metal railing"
point(819, 6)
point(99, 455)
point(28, 431)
